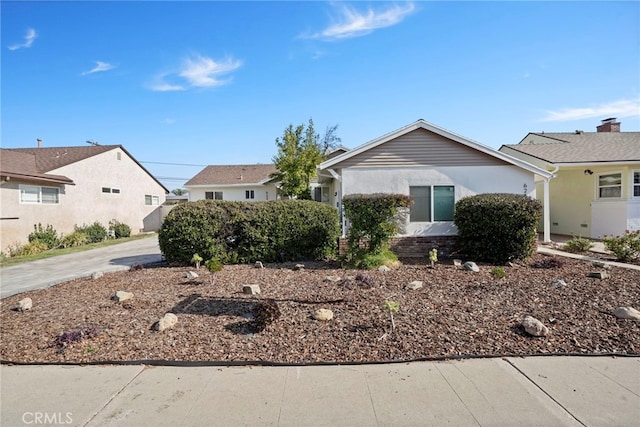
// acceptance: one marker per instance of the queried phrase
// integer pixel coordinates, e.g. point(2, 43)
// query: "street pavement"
point(46, 272)
point(529, 391)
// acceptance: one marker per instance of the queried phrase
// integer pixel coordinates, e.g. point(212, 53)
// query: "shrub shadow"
point(197, 304)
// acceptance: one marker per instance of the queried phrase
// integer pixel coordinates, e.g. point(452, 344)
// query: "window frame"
point(153, 200)
point(431, 200)
point(249, 194)
point(39, 198)
point(599, 187)
point(635, 185)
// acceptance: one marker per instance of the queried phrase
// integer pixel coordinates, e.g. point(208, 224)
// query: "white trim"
point(632, 184)
point(254, 184)
point(422, 124)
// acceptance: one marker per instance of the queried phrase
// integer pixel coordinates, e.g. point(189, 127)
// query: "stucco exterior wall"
point(85, 203)
point(468, 181)
point(235, 193)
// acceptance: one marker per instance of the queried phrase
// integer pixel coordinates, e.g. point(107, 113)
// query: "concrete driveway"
point(47, 272)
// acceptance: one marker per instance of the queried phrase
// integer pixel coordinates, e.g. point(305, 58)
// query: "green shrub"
point(233, 232)
point(371, 222)
point(48, 236)
point(497, 227)
point(119, 229)
point(578, 244)
point(498, 272)
point(33, 248)
point(625, 247)
point(76, 238)
point(95, 232)
point(371, 261)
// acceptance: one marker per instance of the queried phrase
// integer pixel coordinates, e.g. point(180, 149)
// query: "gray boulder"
point(534, 327)
point(251, 289)
point(168, 321)
point(471, 266)
point(627, 313)
point(24, 304)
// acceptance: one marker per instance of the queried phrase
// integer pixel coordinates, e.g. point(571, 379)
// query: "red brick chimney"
point(609, 125)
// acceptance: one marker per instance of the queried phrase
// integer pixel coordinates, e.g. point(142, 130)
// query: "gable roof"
point(233, 175)
point(51, 158)
point(422, 124)
point(14, 164)
point(581, 147)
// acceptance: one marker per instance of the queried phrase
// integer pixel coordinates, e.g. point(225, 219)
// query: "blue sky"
point(210, 82)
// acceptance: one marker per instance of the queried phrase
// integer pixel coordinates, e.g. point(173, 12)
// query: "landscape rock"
point(471, 266)
point(559, 282)
point(192, 275)
point(332, 279)
point(298, 267)
point(627, 313)
point(598, 274)
point(323, 314)
point(24, 304)
point(384, 268)
point(534, 327)
point(258, 264)
point(601, 264)
point(168, 321)
point(97, 275)
point(123, 296)
point(251, 289)
point(415, 285)
point(457, 262)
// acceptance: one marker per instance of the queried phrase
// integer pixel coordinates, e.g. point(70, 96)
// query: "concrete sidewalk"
point(50, 271)
point(533, 391)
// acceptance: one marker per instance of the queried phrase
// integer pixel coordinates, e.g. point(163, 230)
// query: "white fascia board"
point(602, 163)
point(253, 184)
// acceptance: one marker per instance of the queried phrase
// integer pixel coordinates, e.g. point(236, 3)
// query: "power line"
point(172, 164)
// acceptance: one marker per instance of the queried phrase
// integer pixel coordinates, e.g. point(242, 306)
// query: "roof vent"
point(579, 132)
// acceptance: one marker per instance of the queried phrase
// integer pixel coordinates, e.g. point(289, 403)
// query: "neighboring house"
point(233, 182)
point(67, 186)
point(434, 166)
point(596, 191)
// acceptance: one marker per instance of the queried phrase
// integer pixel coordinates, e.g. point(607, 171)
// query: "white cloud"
point(100, 66)
point(197, 71)
point(29, 38)
point(621, 108)
point(353, 23)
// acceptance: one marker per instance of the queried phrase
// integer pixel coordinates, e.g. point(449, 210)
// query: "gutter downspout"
point(546, 208)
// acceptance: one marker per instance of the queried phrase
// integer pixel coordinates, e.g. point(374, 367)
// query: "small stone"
point(24, 304)
point(471, 266)
point(559, 283)
point(457, 262)
point(123, 296)
point(598, 275)
point(97, 275)
point(534, 327)
point(332, 279)
point(415, 285)
point(323, 314)
point(298, 267)
point(258, 264)
point(601, 264)
point(627, 313)
point(384, 268)
point(192, 275)
point(251, 289)
point(168, 321)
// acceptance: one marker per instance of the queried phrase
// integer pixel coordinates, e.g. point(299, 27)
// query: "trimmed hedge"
point(497, 227)
point(244, 232)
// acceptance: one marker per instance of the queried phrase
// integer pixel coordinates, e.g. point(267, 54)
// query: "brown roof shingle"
point(232, 175)
point(584, 147)
point(50, 158)
point(15, 164)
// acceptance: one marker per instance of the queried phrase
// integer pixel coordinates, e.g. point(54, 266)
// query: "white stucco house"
point(67, 186)
point(435, 166)
point(246, 183)
point(596, 191)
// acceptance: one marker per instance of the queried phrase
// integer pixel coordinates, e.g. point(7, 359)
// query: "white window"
point(213, 195)
point(39, 195)
point(249, 194)
point(610, 185)
point(321, 194)
point(435, 202)
point(636, 184)
point(151, 200)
